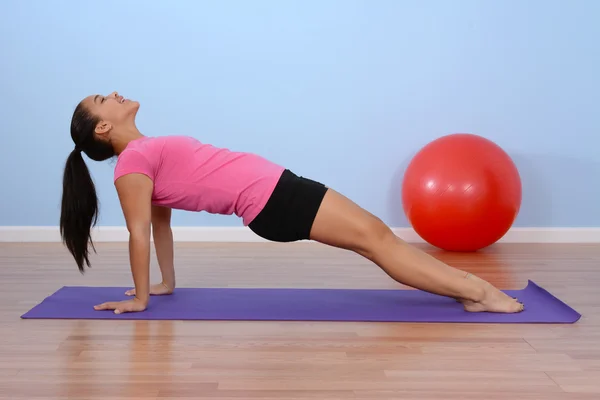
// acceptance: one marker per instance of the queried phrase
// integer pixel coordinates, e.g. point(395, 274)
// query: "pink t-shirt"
point(194, 176)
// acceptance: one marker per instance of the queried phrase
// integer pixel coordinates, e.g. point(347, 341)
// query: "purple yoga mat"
point(299, 305)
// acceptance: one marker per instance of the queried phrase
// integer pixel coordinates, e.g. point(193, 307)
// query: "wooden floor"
point(54, 359)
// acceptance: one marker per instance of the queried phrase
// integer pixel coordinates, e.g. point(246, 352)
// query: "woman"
point(155, 175)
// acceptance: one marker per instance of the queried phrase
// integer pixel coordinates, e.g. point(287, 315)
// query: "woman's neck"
point(120, 141)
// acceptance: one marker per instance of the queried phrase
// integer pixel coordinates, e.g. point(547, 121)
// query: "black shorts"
point(290, 212)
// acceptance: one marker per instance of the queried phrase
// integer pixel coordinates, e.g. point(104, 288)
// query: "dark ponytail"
point(79, 205)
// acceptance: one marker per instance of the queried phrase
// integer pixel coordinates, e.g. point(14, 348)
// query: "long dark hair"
point(79, 205)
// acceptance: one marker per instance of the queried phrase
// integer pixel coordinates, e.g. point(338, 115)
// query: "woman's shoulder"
point(139, 156)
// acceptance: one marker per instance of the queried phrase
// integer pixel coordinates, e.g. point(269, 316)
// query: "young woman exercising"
point(156, 174)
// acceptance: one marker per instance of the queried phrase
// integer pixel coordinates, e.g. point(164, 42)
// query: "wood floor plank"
point(467, 395)
point(578, 382)
point(443, 381)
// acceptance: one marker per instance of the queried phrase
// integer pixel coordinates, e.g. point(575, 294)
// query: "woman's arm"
point(163, 243)
point(135, 194)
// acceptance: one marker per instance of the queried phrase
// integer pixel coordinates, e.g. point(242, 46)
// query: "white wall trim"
point(243, 234)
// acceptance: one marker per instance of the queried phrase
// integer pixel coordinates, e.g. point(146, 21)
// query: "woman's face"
point(113, 110)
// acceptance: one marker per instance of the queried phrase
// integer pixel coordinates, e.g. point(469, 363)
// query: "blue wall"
point(343, 91)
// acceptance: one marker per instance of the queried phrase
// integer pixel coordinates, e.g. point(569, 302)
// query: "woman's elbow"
point(139, 231)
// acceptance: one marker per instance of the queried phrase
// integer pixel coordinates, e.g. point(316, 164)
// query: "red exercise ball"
point(461, 192)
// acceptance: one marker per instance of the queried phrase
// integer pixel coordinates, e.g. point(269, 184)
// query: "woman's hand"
point(158, 289)
point(133, 305)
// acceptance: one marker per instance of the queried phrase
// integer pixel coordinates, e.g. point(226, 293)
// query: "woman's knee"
point(373, 235)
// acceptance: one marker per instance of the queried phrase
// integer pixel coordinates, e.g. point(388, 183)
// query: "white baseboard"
point(243, 234)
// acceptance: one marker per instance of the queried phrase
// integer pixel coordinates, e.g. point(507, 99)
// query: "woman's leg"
point(342, 223)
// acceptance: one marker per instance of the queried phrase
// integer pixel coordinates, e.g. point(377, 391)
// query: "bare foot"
point(155, 290)
point(494, 300)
